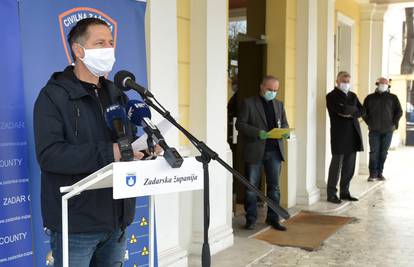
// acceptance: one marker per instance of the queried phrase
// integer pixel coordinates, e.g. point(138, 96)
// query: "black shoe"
point(334, 199)
point(349, 198)
point(372, 178)
point(250, 225)
point(278, 226)
point(381, 178)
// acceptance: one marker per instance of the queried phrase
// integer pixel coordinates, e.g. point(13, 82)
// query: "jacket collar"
point(339, 91)
point(70, 83)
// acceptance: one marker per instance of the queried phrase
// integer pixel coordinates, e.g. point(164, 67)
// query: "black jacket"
point(344, 111)
point(251, 119)
point(383, 111)
point(73, 141)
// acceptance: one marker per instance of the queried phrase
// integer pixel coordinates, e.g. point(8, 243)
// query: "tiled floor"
point(382, 235)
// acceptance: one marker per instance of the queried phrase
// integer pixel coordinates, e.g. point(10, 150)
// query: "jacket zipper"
point(77, 116)
point(382, 111)
point(99, 101)
point(115, 207)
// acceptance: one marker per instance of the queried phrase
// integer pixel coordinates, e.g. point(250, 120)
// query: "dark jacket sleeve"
point(366, 114)
point(334, 106)
point(397, 112)
point(360, 110)
point(242, 123)
point(54, 153)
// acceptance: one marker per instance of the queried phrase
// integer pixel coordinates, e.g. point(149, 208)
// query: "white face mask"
point(99, 61)
point(345, 87)
point(382, 88)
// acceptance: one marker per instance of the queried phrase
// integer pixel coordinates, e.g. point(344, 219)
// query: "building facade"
point(306, 43)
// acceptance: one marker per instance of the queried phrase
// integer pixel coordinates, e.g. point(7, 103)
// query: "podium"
point(134, 179)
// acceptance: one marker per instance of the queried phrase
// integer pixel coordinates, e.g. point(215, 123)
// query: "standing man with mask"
point(258, 115)
point(344, 110)
point(73, 141)
point(383, 112)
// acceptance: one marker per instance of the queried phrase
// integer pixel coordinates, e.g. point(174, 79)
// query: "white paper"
point(141, 143)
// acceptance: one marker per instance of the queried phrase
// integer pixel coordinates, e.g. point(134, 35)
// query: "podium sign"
point(134, 179)
point(155, 177)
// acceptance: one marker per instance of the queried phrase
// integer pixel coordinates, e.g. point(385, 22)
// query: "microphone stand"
point(207, 154)
point(150, 141)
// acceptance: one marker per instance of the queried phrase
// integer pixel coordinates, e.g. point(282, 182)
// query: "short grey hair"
point(342, 74)
point(269, 78)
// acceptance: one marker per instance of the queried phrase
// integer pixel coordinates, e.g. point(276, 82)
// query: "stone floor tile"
point(382, 234)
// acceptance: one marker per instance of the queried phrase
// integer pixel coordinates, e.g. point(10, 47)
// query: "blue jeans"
point(91, 249)
point(271, 162)
point(379, 144)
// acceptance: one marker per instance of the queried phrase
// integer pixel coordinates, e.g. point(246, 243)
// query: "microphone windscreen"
point(115, 113)
point(137, 110)
point(120, 77)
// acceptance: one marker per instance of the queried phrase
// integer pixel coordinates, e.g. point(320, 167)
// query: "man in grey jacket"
point(383, 111)
point(258, 115)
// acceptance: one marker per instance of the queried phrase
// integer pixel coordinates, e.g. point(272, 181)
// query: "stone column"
point(365, 80)
point(208, 120)
point(306, 101)
point(370, 60)
point(378, 53)
point(325, 80)
point(161, 21)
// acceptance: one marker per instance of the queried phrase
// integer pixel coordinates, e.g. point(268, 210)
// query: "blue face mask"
point(270, 95)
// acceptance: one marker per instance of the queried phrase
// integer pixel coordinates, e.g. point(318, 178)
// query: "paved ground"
point(382, 235)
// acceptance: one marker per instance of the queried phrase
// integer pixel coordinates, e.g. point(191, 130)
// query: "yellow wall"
point(281, 62)
point(290, 92)
point(183, 29)
point(281, 50)
point(351, 9)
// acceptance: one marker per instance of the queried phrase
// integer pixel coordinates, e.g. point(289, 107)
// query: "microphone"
point(115, 117)
point(136, 111)
point(125, 80)
point(171, 155)
point(140, 114)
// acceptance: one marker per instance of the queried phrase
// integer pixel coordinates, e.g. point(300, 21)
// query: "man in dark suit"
point(258, 115)
point(344, 110)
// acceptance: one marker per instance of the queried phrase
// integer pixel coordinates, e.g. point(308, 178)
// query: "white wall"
point(392, 54)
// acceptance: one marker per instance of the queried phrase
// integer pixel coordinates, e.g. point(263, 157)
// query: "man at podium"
point(72, 141)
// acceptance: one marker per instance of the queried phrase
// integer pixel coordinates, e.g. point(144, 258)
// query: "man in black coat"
point(258, 115)
point(73, 141)
point(344, 110)
point(383, 112)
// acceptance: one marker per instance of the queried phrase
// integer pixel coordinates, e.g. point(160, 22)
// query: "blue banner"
point(44, 26)
point(15, 219)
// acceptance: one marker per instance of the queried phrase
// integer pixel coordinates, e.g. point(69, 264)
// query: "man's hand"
point(286, 136)
point(117, 154)
point(157, 150)
point(263, 135)
point(138, 155)
point(345, 116)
